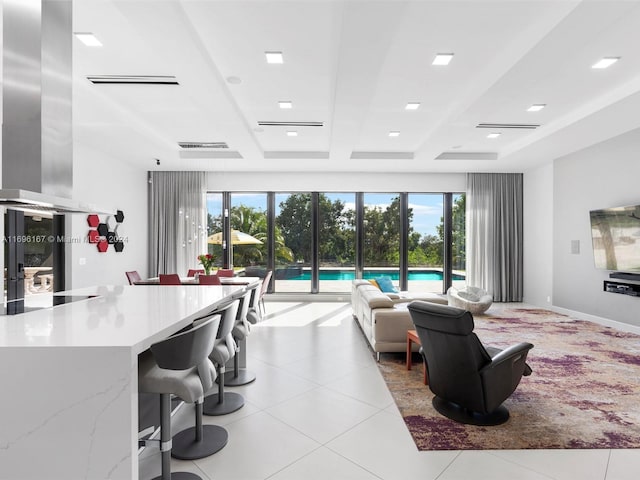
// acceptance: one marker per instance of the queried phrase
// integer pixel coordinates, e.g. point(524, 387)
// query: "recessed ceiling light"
point(285, 104)
point(442, 59)
point(89, 39)
point(394, 134)
point(274, 57)
point(536, 107)
point(494, 135)
point(412, 106)
point(292, 133)
point(605, 62)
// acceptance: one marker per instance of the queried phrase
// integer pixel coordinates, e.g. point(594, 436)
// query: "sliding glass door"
point(249, 240)
point(337, 241)
point(214, 227)
point(381, 235)
point(425, 242)
point(293, 235)
point(459, 241)
point(317, 242)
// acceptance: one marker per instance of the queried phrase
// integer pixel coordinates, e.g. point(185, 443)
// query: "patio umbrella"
point(237, 238)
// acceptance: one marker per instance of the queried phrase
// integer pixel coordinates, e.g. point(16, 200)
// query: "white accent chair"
point(473, 299)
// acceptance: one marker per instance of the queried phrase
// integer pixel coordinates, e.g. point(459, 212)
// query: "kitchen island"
point(68, 377)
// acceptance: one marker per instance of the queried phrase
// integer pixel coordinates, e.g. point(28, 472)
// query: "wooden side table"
point(412, 337)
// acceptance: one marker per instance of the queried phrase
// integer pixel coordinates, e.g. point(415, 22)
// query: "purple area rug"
point(584, 391)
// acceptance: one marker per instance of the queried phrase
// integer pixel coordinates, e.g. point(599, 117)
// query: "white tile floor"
point(319, 410)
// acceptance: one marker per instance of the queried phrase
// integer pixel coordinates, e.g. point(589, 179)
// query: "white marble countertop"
point(119, 316)
point(70, 374)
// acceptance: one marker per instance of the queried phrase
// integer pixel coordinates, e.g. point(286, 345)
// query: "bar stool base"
point(181, 476)
point(230, 403)
point(186, 447)
point(242, 378)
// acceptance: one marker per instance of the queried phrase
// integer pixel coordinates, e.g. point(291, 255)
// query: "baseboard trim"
point(308, 297)
point(625, 327)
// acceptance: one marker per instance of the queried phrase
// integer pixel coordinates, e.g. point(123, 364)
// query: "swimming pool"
point(368, 274)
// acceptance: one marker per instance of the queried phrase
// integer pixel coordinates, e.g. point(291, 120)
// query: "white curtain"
point(494, 234)
point(177, 221)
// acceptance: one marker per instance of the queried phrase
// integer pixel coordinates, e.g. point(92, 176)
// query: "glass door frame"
point(404, 227)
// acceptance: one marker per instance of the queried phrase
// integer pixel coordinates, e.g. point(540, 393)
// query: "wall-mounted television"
point(615, 233)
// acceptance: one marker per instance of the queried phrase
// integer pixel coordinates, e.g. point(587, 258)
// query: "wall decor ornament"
point(105, 233)
point(93, 220)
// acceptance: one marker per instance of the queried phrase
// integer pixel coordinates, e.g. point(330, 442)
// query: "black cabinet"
point(632, 289)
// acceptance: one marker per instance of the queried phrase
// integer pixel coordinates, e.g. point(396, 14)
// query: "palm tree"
point(254, 222)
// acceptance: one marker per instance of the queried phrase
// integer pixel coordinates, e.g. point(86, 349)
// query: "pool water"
point(369, 274)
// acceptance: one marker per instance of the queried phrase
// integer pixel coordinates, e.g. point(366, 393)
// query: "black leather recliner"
point(469, 381)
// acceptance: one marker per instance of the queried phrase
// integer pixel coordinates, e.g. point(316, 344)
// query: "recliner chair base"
point(462, 415)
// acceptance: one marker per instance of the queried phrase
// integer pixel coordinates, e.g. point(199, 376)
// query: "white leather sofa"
point(384, 317)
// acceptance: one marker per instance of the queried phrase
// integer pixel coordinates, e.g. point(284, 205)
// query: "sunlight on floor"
point(302, 314)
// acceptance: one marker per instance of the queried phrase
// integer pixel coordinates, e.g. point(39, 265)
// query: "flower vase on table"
point(206, 260)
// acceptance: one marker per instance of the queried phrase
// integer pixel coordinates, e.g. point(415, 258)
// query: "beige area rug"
point(584, 391)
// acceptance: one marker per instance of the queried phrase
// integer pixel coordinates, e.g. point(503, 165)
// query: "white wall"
point(106, 181)
point(538, 235)
point(605, 175)
point(337, 182)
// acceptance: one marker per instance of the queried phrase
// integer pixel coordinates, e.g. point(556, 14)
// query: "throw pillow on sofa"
point(386, 285)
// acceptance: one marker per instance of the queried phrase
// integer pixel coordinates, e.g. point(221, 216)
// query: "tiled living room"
point(323, 99)
point(320, 409)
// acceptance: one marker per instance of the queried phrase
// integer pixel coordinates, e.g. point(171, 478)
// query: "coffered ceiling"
point(352, 67)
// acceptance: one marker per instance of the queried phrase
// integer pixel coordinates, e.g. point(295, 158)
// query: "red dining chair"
point(192, 272)
point(225, 272)
point(133, 276)
point(209, 280)
point(170, 279)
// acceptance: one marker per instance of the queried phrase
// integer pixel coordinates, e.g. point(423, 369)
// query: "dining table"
point(194, 281)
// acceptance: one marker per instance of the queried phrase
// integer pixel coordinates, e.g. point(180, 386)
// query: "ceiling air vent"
point(381, 156)
point(528, 126)
point(203, 144)
point(467, 156)
point(265, 123)
point(297, 155)
point(133, 79)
